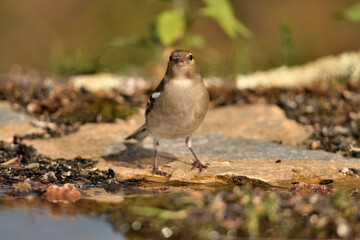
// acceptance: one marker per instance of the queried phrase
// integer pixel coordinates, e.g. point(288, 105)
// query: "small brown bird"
point(177, 106)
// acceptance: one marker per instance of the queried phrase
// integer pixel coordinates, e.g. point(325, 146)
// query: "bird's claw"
point(156, 171)
point(199, 165)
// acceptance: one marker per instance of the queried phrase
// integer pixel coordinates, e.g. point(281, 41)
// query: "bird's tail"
point(139, 134)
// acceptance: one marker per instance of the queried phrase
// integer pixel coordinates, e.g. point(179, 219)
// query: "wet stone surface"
point(242, 161)
point(216, 145)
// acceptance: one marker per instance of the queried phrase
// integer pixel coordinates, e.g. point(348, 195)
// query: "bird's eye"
point(191, 57)
point(170, 58)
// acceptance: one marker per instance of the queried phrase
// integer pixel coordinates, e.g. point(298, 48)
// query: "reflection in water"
point(37, 224)
point(190, 214)
point(100, 215)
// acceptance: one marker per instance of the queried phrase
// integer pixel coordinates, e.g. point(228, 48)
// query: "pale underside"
point(178, 110)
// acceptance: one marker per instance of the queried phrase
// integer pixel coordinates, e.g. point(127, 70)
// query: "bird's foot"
point(156, 171)
point(199, 165)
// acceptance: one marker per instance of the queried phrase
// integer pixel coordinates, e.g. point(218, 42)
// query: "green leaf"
point(127, 41)
point(353, 13)
point(221, 11)
point(170, 26)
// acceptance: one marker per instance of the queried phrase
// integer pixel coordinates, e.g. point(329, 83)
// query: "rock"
point(231, 160)
point(67, 193)
point(304, 189)
point(216, 145)
point(350, 171)
point(257, 121)
point(107, 81)
point(14, 123)
point(343, 66)
point(8, 116)
point(8, 132)
point(48, 177)
point(88, 142)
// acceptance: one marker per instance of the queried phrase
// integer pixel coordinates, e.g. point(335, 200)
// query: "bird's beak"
point(179, 61)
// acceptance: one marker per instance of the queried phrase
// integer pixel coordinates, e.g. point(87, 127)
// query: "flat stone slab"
point(8, 116)
point(256, 121)
point(229, 161)
point(234, 141)
point(13, 122)
point(217, 146)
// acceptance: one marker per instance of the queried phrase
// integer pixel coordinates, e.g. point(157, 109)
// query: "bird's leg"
point(156, 169)
point(197, 163)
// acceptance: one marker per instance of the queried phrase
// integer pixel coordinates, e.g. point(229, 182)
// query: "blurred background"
point(135, 37)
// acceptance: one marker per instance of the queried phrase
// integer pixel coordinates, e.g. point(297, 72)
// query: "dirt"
point(24, 171)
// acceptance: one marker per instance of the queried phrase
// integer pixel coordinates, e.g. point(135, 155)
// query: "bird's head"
point(182, 64)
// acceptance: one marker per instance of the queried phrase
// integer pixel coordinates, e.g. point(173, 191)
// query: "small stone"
point(112, 186)
point(343, 229)
point(350, 171)
point(111, 173)
point(67, 193)
point(136, 225)
point(33, 108)
point(167, 232)
point(48, 177)
point(326, 181)
point(24, 185)
point(314, 145)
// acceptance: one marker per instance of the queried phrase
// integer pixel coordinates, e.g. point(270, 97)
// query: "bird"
point(177, 106)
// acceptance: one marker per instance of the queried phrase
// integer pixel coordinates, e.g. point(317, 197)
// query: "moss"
point(96, 109)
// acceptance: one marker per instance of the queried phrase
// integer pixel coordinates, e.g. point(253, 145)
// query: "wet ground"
point(72, 198)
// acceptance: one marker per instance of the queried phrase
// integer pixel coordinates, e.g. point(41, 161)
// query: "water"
point(37, 223)
point(179, 213)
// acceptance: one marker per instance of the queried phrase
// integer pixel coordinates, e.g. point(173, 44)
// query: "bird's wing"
point(139, 134)
point(142, 132)
point(154, 96)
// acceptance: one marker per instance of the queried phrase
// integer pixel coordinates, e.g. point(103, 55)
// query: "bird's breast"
point(179, 109)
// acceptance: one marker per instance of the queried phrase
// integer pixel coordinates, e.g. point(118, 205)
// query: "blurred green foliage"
point(227, 64)
point(221, 11)
point(351, 14)
point(342, 199)
point(134, 37)
point(172, 26)
point(178, 25)
point(96, 109)
point(286, 42)
point(127, 41)
point(251, 213)
point(78, 63)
